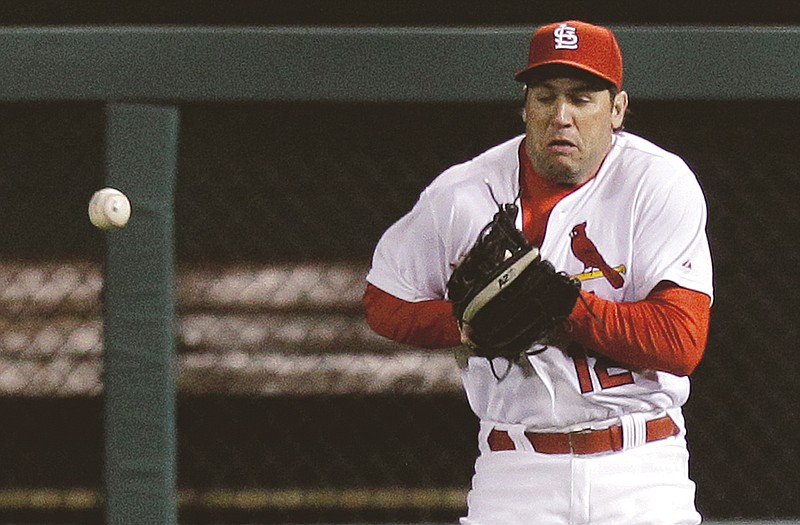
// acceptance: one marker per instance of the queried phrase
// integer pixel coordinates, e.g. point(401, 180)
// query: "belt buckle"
point(572, 435)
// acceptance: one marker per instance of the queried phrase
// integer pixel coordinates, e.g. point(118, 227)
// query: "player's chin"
point(562, 171)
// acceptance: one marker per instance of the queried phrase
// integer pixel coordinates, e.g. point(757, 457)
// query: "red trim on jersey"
point(426, 324)
point(666, 331)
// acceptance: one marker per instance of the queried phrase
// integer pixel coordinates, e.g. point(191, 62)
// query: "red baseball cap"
point(578, 44)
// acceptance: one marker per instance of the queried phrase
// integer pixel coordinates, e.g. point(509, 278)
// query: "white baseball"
point(109, 208)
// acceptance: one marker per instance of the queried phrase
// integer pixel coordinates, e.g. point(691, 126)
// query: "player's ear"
point(523, 113)
point(618, 108)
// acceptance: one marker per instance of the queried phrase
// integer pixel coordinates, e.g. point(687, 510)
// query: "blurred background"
point(289, 409)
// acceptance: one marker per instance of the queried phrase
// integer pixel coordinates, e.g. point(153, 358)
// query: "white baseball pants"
point(645, 485)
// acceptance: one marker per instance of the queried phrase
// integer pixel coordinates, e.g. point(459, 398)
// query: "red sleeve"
point(666, 331)
point(425, 324)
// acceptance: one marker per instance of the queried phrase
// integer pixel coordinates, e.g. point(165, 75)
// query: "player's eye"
point(581, 98)
point(545, 98)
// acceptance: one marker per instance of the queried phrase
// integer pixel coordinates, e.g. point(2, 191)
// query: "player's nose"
point(562, 113)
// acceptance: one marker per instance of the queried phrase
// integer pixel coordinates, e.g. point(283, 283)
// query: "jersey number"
point(604, 377)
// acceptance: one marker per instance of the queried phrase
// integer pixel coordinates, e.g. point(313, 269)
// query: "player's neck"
point(538, 197)
point(534, 185)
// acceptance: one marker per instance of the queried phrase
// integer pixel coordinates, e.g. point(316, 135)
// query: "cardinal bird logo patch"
point(594, 265)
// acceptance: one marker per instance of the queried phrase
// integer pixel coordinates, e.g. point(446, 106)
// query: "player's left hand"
point(505, 296)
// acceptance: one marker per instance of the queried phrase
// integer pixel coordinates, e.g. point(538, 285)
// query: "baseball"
point(109, 208)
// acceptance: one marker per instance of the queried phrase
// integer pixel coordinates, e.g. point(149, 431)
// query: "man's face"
point(569, 123)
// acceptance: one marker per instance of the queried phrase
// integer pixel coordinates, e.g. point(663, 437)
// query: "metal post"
point(139, 318)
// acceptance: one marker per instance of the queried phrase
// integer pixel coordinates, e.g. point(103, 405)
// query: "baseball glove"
point(504, 295)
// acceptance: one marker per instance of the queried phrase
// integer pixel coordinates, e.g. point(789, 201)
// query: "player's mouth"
point(561, 146)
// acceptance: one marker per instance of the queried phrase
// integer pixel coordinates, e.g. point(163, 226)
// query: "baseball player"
point(590, 430)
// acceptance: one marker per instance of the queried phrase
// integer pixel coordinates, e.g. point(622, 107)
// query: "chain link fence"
point(290, 410)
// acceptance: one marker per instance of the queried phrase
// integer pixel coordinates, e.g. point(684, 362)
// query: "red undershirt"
point(665, 331)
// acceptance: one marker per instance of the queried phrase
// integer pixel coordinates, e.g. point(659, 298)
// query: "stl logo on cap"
point(565, 37)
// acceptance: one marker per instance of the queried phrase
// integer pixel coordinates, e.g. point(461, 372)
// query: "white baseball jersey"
point(645, 215)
